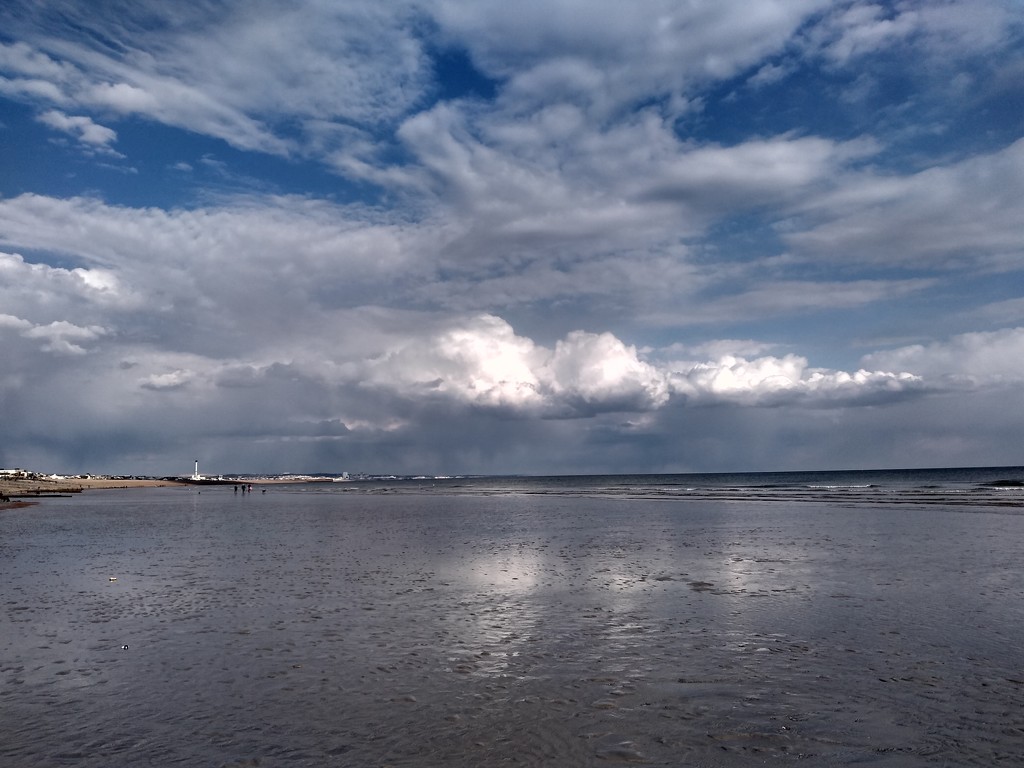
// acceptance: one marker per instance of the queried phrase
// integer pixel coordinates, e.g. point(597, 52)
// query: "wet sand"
point(322, 629)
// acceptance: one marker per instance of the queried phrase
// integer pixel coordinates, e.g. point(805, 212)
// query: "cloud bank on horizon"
point(469, 236)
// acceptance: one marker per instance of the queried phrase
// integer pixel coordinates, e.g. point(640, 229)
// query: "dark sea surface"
point(853, 618)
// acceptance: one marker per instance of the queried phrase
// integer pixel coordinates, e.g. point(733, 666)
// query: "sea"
point(867, 618)
point(977, 486)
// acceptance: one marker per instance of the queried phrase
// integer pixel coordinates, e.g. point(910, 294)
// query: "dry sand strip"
point(17, 492)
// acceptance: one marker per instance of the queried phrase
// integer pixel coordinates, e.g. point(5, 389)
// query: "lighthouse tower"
point(196, 475)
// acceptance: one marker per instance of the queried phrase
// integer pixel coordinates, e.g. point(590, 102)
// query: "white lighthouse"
point(196, 475)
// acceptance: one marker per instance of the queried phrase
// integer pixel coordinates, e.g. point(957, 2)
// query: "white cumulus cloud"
point(170, 380)
point(979, 358)
point(769, 380)
point(482, 361)
point(63, 337)
point(604, 373)
point(91, 135)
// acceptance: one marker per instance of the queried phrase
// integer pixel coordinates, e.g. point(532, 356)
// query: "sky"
point(479, 236)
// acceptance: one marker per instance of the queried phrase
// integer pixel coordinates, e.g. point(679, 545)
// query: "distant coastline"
point(22, 488)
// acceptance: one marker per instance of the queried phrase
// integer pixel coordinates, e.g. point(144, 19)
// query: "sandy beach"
point(20, 491)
